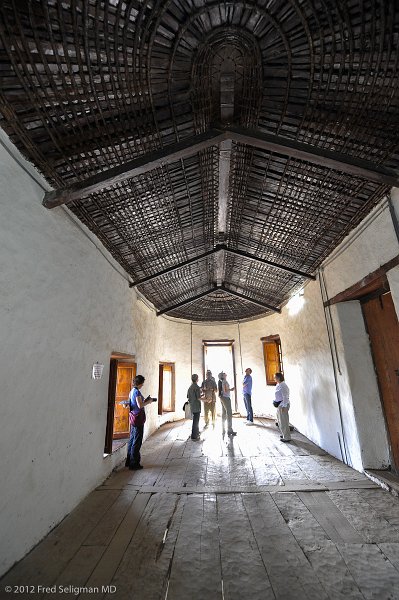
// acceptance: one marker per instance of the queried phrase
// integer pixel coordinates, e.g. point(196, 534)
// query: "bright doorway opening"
point(219, 356)
point(166, 389)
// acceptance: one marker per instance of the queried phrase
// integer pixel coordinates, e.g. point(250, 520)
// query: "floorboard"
point(224, 519)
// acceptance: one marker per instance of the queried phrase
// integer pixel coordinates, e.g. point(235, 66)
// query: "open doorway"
point(122, 373)
point(218, 355)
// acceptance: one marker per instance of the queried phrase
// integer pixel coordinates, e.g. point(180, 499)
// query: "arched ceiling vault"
point(219, 150)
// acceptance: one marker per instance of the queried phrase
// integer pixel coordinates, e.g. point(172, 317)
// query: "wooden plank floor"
point(222, 519)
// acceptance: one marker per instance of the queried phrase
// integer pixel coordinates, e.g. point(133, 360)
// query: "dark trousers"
point(195, 429)
point(248, 407)
point(134, 445)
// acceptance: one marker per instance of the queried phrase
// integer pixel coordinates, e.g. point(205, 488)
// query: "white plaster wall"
point(145, 336)
point(372, 244)
point(363, 417)
point(307, 364)
point(62, 308)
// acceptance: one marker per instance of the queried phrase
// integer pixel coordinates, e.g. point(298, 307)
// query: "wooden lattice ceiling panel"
point(219, 150)
point(291, 211)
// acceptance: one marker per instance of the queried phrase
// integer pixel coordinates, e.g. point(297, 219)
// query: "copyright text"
point(73, 590)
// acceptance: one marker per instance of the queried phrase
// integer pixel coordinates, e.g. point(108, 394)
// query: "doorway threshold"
point(386, 479)
point(116, 444)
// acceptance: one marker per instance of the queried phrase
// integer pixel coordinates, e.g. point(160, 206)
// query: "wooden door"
point(126, 372)
point(383, 329)
point(272, 359)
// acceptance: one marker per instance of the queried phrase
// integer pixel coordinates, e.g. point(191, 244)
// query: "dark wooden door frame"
point(374, 283)
point(109, 431)
point(160, 387)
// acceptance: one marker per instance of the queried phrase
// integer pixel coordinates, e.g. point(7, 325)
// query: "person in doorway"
point(282, 403)
point(137, 420)
point(224, 390)
point(194, 398)
point(209, 388)
point(247, 394)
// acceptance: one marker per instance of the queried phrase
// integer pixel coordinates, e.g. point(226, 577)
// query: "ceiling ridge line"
point(212, 137)
point(218, 248)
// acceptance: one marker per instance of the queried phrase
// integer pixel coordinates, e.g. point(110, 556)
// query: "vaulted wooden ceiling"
point(219, 150)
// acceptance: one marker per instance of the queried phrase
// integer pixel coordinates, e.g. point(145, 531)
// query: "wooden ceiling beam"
point(133, 168)
point(319, 156)
point(249, 299)
point(192, 145)
point(174, 268)
point(269, 263)
point(216, 249)
point(188, 301)
point(214, 289)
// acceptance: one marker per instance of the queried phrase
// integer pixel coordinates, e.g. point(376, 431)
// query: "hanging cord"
point(191, 332)
point(335, 364)
point(239, 341)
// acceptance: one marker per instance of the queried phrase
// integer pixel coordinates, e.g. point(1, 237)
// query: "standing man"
point(247, 393)
point(137, 419)
point(194, 395)
point(282, 403)
point(209, 388)
point(224, 395)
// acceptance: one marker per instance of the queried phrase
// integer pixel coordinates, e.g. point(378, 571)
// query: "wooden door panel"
point(272, 360)
point(383, 328)
point(124, 383)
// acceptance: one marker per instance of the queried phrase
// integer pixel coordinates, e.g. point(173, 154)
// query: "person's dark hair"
point(279, 376)
point(194, 377)
point(138, 380)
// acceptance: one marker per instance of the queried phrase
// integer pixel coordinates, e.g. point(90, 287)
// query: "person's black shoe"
point(136, 468)
point(285, 441)
point(232, 433)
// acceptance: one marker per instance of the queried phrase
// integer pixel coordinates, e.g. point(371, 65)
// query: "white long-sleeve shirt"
point(226, 388)
point(282, 394)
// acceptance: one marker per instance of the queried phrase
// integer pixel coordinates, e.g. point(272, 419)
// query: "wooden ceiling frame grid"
point(126, 110)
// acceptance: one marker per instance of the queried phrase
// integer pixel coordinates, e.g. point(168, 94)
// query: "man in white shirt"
point(282, 403)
